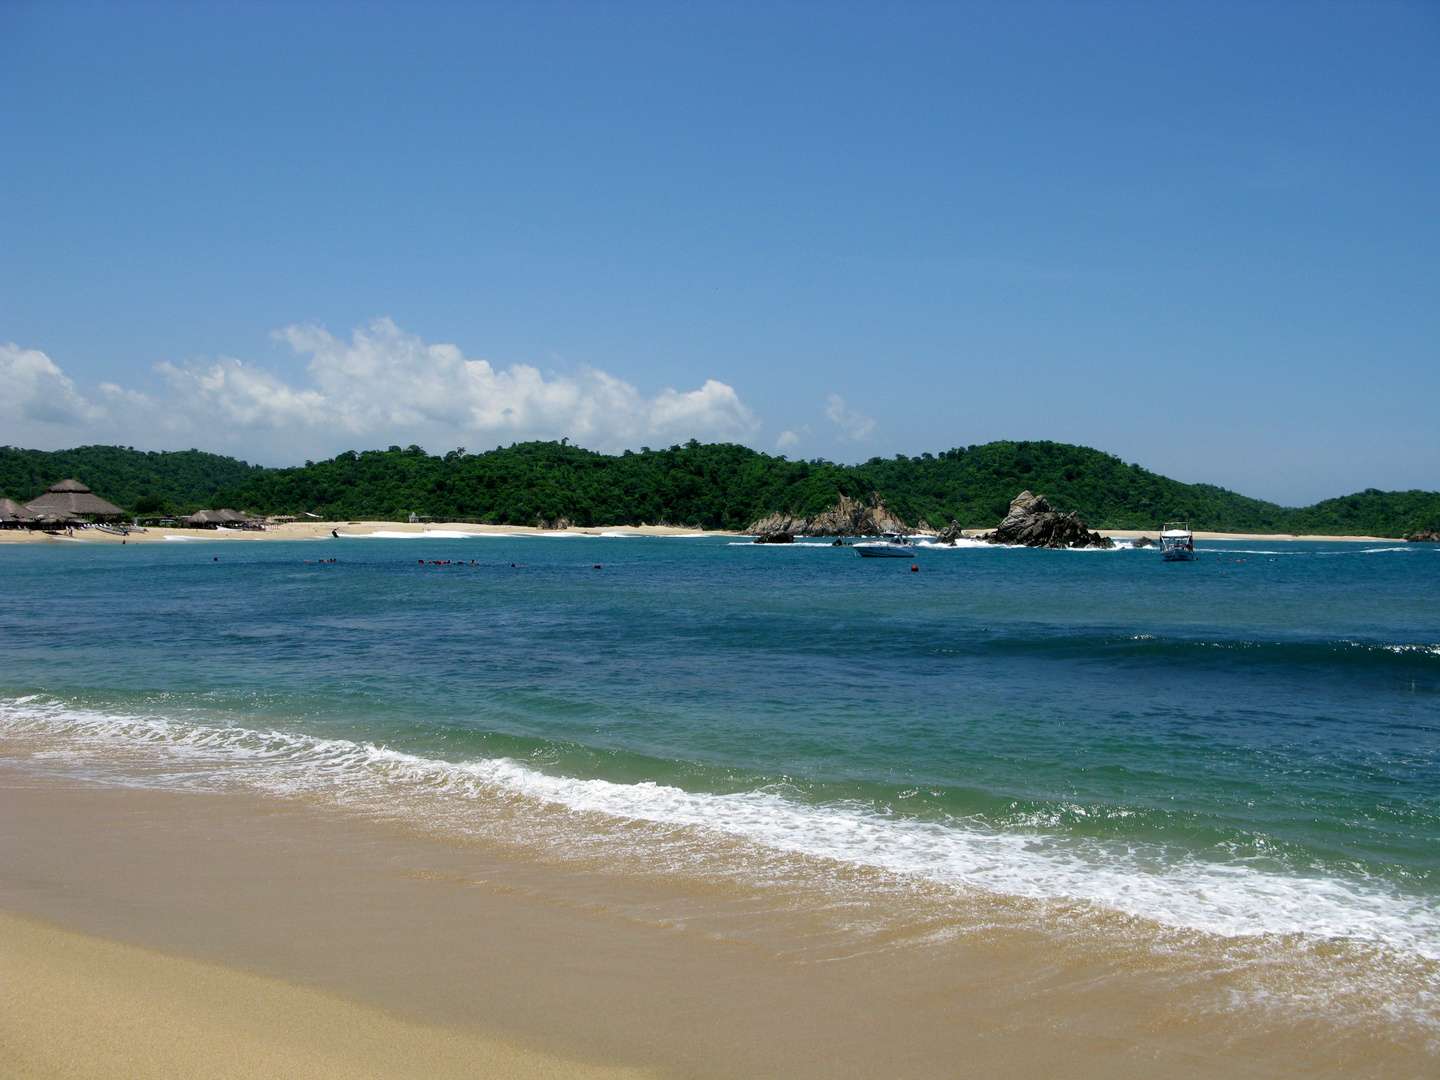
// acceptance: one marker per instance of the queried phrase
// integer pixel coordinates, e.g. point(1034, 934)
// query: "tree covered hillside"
point(141, 482)
point(1370, 512)
point(725, 486)
point(716, 486)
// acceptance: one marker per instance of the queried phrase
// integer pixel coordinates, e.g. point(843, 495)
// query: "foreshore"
point(327, 530)
point(79, 1006)
point(170, 933)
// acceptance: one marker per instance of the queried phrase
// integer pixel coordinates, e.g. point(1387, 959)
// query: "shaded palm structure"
point(70, 499)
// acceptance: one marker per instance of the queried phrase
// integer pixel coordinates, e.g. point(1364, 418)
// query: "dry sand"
point(76, 1006)
point(321, 530)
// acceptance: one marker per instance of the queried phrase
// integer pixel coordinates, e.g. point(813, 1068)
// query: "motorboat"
point(1177, 542)
point(891, 545)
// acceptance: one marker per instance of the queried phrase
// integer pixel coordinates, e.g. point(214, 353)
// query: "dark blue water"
point(1189, 741)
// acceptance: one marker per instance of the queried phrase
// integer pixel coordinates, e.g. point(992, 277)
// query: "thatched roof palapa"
point(11, 511)
point(70, 498)
point(224, 516)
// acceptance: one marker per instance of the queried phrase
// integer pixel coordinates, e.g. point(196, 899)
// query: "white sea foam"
point(428, 534)
point(1231, 899)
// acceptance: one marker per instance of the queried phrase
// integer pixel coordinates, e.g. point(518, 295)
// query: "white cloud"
point(791, 438)
point(854, 425)
point(382, 386)
point(34, 390)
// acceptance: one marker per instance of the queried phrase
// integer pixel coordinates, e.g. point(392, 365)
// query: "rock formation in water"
point(1033, 523)
point(846, 518)
point(1424, 536)
point(949, 534)
point(1142, 541)
point(775, 538)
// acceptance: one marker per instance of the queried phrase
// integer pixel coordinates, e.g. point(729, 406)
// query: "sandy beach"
point(322, 530)
point(163, 933)
point(159, 920)
point(79, 1006)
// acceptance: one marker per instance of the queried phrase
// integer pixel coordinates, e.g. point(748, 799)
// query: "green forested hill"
point(138, 481)
point(720, 485)
point(1370, 512)
point(727, 486)
point(975, 485)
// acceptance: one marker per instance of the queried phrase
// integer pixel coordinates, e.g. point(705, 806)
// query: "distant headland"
point(719, 486)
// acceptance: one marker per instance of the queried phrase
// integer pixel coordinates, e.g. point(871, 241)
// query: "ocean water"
point(1245, 748)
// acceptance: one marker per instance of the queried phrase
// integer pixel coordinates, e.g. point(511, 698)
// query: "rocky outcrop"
point(557, 523)
point(1033, 523)
point(1142, 541)
point(1424, 536)
point(949, 534)
point(847, 517)
point(775, 538)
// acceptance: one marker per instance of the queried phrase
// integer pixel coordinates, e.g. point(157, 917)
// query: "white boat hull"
point(885, 551)
point(1177, 542)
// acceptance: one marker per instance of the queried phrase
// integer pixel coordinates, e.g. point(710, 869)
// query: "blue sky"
point(1200, 236)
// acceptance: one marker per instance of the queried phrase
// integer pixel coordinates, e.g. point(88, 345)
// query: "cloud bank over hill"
point(382, 386)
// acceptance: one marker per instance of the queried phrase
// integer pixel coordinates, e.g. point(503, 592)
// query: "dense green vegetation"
point(724, 486)
point(1370, 512)
point(143, 483)
point(718, 486)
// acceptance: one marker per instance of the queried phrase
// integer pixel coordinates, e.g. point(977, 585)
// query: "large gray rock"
point(847, 517)
point(949, 534)
point(775, 538)
point(1424, 536)
point(1033, 523)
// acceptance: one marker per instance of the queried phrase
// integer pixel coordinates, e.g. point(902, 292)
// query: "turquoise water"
point(1247, 744)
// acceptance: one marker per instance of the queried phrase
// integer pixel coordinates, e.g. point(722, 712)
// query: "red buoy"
point(916, 569)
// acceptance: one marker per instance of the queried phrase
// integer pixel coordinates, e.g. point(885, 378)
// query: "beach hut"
point(72, 499)
point(209, 519)
point(14, 516)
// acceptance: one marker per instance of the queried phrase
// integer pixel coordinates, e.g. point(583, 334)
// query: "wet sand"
point(424, 947)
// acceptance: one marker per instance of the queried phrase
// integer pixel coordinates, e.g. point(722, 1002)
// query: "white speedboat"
point(1177, 542)
point(889, 546)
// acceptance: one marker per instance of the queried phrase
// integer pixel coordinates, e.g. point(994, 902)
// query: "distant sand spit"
point(322, 530)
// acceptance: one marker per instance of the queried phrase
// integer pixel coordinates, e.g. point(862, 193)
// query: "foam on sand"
point(1224, 898)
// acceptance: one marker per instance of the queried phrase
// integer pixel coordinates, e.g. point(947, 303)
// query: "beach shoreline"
point(453, 950)
point(323, 530)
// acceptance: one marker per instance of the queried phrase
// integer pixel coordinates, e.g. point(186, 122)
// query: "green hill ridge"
point(714, 486)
